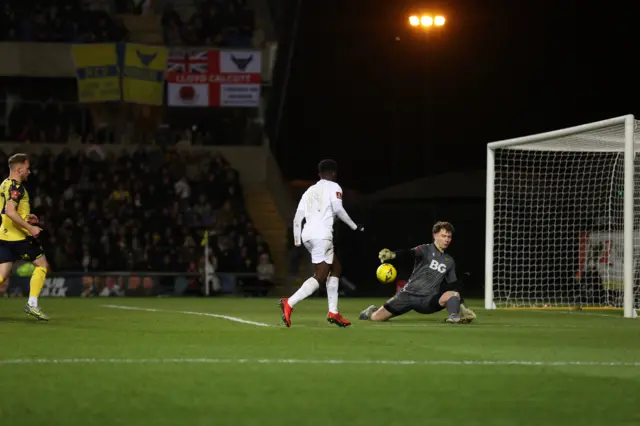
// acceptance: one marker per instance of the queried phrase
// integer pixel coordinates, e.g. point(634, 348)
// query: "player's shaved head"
point(328, 169)
point(439, 226)
point(18, 159)
point(327, 166)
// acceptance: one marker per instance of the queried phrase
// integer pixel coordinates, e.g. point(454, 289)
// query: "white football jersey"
point(318, 204)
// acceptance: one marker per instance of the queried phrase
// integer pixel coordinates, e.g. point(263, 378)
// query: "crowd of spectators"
point(144, 211)
point(224, 23)
point(147, 210)
point(49, 122)
point(57, 21)
point(53, 122)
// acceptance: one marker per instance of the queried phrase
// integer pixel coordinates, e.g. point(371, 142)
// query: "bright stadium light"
point(426, 21)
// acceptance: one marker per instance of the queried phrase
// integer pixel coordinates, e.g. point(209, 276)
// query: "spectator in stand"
point(265, 271)
point(58, 21)
point(140, 218)
point(221, 23)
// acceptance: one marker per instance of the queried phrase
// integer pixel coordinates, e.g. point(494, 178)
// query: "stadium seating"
point(58, 21)
point(94, 209)
point(53, 122)
point(145, 212)
point(222, 23)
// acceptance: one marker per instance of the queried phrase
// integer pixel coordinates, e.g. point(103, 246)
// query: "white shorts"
point(321, 251)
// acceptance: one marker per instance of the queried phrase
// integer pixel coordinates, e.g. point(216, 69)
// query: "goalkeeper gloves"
point(385, 255)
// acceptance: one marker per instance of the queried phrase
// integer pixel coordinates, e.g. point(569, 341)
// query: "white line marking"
point(579, 313)
point(313, 361)
point(204, 314)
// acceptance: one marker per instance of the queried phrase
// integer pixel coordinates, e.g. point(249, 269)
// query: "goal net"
point(556, 221)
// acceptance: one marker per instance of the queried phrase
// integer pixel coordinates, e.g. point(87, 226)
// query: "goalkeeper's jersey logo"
point(437, 266)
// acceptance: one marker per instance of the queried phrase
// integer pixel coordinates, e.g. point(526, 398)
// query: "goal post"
point(563, 219)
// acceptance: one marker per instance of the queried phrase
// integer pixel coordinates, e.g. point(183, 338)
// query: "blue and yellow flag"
point(144, 74)
point(97, 72)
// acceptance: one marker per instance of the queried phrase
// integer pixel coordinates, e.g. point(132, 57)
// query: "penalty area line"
point(314, 361)
point(204, 314)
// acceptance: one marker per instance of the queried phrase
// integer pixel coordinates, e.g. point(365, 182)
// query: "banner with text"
point(105, 285)
point(214, 78)
point(602, 254)
point(97, 72)
point(144, 74)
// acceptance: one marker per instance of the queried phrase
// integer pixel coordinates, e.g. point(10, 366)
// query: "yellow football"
point(386, 273)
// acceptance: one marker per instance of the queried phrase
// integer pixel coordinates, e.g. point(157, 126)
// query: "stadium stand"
point(53, 122)
point(144, 212)
point(223, 23)
point(58, 21)
point(41, 109)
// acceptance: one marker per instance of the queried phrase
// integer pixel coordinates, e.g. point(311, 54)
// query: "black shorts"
point(28, 249)
point(404, 302)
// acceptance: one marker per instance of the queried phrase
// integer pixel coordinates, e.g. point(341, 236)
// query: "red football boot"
point(286, 311)
point(337, 320)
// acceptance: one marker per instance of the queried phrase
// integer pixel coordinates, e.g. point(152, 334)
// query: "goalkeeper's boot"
point(467, 314)
point(453, 319)
point(337, 320)
point(36, 312)
point(366, 314)
point(286, 311)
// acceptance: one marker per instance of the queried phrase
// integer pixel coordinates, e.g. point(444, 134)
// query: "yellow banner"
point(97, 72)
point(144, 74)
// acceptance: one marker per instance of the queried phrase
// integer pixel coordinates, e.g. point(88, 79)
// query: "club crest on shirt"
point(339, 195)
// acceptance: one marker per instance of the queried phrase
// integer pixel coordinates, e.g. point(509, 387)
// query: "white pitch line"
point(314, 361)
point(204, 314)
point(579, 313)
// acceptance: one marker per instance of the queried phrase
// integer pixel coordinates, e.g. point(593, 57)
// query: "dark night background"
point(396, 111)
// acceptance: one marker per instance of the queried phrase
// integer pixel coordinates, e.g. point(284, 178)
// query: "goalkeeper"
point(425, 291)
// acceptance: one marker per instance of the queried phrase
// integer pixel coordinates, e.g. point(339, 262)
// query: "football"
point(386, 273)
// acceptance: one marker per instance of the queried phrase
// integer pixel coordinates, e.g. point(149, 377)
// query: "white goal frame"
point(628, 210)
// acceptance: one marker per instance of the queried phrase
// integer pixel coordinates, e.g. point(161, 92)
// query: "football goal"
point(563, 216)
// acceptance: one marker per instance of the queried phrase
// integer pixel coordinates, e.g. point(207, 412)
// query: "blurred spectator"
point(135, 7)
point(57, 21)
point(223, 23)
point(141, 211)
point(265, 272)
point(48, 122)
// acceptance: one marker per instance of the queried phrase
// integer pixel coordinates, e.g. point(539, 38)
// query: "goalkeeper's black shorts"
point(404, 302)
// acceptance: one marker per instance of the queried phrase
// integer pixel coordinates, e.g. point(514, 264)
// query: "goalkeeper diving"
point(427, 290)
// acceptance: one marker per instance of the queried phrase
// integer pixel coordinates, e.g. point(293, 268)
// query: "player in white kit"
point(319, 206)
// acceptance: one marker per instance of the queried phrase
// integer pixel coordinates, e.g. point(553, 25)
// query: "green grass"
point(164, 388)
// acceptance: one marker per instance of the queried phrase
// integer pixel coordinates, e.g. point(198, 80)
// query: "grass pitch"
point(230, 362)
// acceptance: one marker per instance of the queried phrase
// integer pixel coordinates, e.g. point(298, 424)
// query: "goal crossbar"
point(558, 143)
point(555, 134)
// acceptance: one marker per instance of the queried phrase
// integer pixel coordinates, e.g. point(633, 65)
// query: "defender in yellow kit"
point(19, 232)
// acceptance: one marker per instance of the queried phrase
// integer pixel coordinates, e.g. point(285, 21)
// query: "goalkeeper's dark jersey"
point(431, 271)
